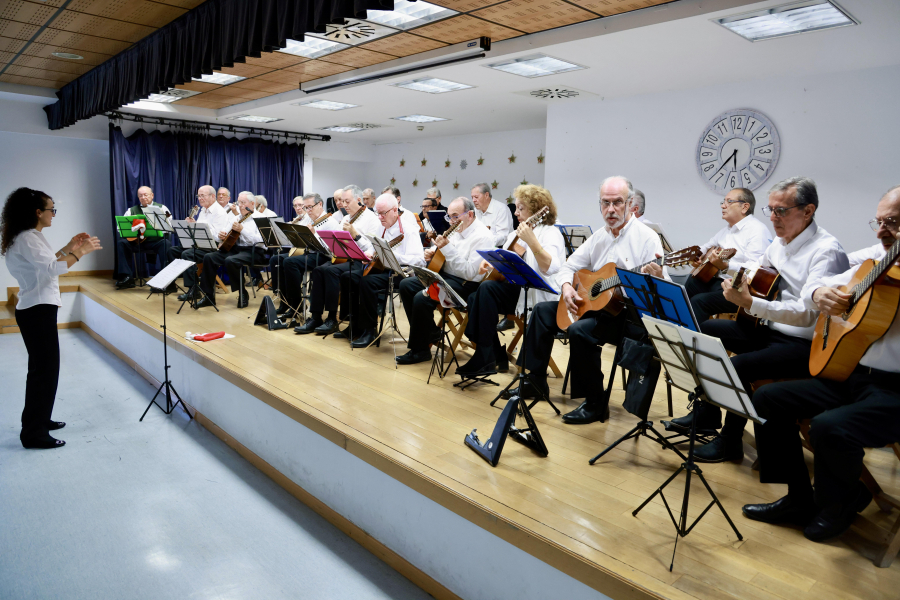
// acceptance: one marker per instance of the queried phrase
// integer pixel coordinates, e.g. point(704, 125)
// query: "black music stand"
point(341, 245)
point(385, 254)
point(160, 282)
point(300, 237)
point(199, 237)
point(574, 236)
point(699, 365)
point(428, 278)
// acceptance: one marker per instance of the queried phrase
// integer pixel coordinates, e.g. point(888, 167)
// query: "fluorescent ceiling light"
point(312, 47)
point(342, 129)
point(254, 118)
point(419, 119)
point(160, 98)
point(789, 19)
point(431, 85)
point(220, 78)
point(325, 104)
point(407, 15)
point(67, 55)
point(538, 65)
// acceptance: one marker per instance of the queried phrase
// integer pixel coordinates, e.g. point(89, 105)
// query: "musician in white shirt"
point(460, 271)
point(493, 214)
point(126, 247)
point(223, 198)
point(847, 416)
point(744, 233)
point(262, 207)
point(36, 268)
point(638, 206)
point(219, 220)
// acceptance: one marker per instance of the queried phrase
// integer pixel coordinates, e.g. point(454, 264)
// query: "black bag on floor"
point(643, 373)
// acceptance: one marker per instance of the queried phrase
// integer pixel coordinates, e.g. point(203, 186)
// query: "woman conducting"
point(34, 264)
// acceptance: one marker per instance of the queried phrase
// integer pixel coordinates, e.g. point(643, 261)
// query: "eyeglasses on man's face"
point(616, 203)
point(453, 217)
point(306, 208)
point(385, 213)
point(727, 201)
point(779, 211)
point(890, 223)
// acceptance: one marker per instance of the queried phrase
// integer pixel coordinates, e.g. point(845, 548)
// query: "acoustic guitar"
point(532, 221)
point(705, 271)
point(375, 263)
point(840, 342)
point(763, 284)
point(598, 290)
point(352, 220)
point(437, 259)
point(233, 235)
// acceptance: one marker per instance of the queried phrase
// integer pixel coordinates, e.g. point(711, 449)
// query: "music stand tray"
point(428, 278)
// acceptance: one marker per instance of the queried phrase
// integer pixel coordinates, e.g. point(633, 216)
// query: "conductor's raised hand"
point(76, 241)
point(88, 245)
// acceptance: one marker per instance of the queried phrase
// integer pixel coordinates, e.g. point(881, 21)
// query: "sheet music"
point(667, 246)
point(203, 234)
point(164, 278)
point(158, 219)
point(385, 254)
point(427, 277)
point(576, 234)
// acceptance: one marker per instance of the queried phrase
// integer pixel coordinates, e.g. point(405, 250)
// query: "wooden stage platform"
point(573, 516)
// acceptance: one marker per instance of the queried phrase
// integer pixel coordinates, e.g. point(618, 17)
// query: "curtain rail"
point(201, 126)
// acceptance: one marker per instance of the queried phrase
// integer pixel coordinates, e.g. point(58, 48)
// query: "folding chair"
point(259, 259)
point(520, 331)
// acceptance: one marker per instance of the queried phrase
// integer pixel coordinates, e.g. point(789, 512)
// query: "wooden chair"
point(520, 331)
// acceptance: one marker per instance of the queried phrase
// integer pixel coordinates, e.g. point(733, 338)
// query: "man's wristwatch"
point(357, 238)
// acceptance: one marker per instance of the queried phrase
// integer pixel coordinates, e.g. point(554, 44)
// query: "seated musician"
point(639, 205)
point(240, 254)
point(262, 207)
point(211, 212)
point(460, 271)
point(744, 233)
point(802, 254)
point(543, 248)
point(277, 261)
point(408, 251)
point(405, 214)
point(223, 197)
point(369, 198)
point(629, 244)
point(326, 278)
point(296, 266)
point(492, 213)
point(126, 247)
point(847, 416)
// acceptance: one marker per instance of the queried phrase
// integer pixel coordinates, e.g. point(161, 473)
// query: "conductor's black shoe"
point(720, 449)
point(204, 303)
point(42, 443)
point(505, 324)
point(835, 520)
point(414, 357)
point(125, 284)
point(243, 300)
point(587, 413)
point(309, 327)
point(365, 340)
point(329, 326)
point(783, 510)
point(54, 425)
point(530, 390)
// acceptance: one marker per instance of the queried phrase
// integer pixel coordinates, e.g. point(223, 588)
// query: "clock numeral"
point(762, 135)
point(708, 167)
point(721, 175)
point(759, 166)
point(764, 151)
point(751, 123)
point(722, 127)
point(711, 138)
point(706, 153)
point(746, 180)
point(737, 124)
point(733, 180)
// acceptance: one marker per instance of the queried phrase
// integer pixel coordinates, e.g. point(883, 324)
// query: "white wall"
point(495, 148)
point(841, 129)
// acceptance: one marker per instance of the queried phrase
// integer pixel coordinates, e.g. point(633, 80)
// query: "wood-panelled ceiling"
point(31, 30)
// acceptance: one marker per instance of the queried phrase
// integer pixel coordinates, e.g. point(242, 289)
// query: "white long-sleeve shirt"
point(32, 261)
point(498, 219)
point(749, 236)
point(366, 224)
point(884, 354)
point(217, 218)
point(809, 258)
point(551, 240)
point(409, 251)
point(860, 256)
point(461, 256)
point(250, 235)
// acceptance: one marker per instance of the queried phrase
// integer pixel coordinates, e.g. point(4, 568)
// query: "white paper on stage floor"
point(170, 273)
point(203, 234)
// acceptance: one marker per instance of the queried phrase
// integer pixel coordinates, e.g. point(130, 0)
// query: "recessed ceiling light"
point(254, 118)
point(342, 129)
point(312, 47)
point(789, 19)
point(220, 78)
point(325, 104)
point(407, 15)
point(67, 55)
point(537, 65)
point(160, 98)
point(170, 95)
point(431, 85)
point(419, 119)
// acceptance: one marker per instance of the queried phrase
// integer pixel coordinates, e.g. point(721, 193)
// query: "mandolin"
point(839, 343)
point(763, 285)
point(352, 220)
point(532, 221)
point(375, 264)
point(437, 259)
point(233, 235)
point(598, 290)
point(705, 271)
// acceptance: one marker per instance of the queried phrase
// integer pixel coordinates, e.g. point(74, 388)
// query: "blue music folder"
point(673, 304)
point(516, 270)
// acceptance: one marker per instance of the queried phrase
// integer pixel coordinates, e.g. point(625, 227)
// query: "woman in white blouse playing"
point(31, 260)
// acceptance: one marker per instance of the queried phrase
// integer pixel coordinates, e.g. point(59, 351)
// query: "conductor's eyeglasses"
point(53, 210)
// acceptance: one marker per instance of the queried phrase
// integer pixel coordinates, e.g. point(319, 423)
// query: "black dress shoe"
point(42, 443)
point(204, 303)
point(835, 520)
point(365, 340)
point(720, 449)
point(243, 300)
point(185, 297)
point(587, 413)
point(283, 309)
point(54, 425)
point(478, 365)
point(414, 357)
point(171, 288)
point(309, 327)
point(125, 284)
point(342, 334)
point(529, 393)
point(329, 326)
point(783, 510)
point(505, 324)
point(709, 417)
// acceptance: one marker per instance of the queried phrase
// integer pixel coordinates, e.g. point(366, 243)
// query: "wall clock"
point(739, 148)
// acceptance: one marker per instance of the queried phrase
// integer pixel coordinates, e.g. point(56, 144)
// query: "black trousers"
point(369, 288)
point(420, 308)
point(587, 336)
point(125, 250)
point(491, 299)
point(38, 327)
point(293, 268)
point(847, 417)
point(762, 353)
point(233, 260)
point(708, 299)
point(326, 288)
point(193, 254)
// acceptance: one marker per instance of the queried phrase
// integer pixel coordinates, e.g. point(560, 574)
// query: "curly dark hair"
point(19, 214)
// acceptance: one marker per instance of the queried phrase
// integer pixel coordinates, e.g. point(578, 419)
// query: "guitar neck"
point(880, 269)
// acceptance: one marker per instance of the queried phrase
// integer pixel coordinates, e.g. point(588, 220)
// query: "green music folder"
point(123, 224)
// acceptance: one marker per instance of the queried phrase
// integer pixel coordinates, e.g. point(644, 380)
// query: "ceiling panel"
point(71, 67)
point(101, 27)
point(245, 70)
point(276, 60)
point(316, 68)
point(14, 29)
point(198, 86)
point(463, 27)
point(357, 58)
point(142, 12)
point(10, 44)
point(268, 86)
point(80, 41)
point(284, 77)
point(608, 8)
point(535, 15)
point(235, 96)
point(464, 5)
point(403, 44)
point(36, 81)
point(47, 50)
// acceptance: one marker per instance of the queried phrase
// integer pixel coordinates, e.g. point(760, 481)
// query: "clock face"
point(739, 148)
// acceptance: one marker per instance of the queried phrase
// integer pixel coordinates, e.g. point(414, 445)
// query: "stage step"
point(8, 318)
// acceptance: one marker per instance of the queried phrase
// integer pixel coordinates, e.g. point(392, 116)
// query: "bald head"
point(888, 214)
point(386, 209)
point(206, 195)
point(145, 195)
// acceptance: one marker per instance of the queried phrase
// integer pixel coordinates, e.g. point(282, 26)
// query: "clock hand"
point(728, 160)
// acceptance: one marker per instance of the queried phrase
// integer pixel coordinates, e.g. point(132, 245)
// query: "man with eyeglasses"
point(847, 416)
point(219, 220)
point(223, 197)
point(369, 198)
point(778, 348)
point(126, 247)
point(460, 271)
point(744, 233)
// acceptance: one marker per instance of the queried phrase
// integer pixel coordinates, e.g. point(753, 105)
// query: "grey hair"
point(435, 191)
point(249, 195)
point(395, 192)
point(204, 189)
point(354, 189)
point(369, 191)
point(804, 187)
point(640, 201)
point(316, 198)
point(227, 191)
point(261, 200)
point(468, 205)
point(627, 183)
point(745, 195)
point(483, 188)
